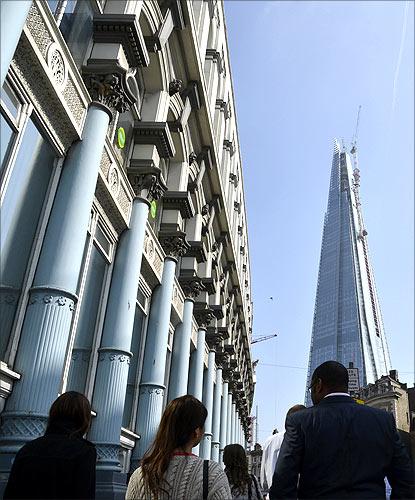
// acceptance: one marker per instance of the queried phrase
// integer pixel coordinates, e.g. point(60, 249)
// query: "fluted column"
point(13, 18)
point(195, 384)
point(179, 372)
point(216, 416)
point(206, 443)
point(233, 423)
point(114, 352)
point(152, 386)
point(223, 419)
point(229, 418)
point(45, 333)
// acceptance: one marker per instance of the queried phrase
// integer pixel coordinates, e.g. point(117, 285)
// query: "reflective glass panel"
point(20, 213)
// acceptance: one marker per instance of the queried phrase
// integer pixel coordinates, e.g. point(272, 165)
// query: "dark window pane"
point(76, 28)
point(10, 100)
point(88, 313)
point(6, 139)
point(20, 212)
point(103, 240)
point(52, 5)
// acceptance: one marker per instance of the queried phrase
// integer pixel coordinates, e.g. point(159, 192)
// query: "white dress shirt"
point(337, 394)
point(270, 453)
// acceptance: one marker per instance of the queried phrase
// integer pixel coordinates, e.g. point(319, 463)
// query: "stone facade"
point(389, 394)
point(125, 258)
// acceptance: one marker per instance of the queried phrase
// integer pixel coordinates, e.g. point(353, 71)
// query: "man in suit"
point(339, 449)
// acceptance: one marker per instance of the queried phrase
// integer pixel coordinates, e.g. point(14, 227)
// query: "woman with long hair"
point(169, 470)
point(60, 464)
point(244, 486)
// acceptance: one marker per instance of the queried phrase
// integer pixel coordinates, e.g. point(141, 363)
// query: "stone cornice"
point(180, 200)
point(156, 133)
point(123, 29)
point(198, 250)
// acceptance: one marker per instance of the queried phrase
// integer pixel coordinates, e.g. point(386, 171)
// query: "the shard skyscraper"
point(347, 324)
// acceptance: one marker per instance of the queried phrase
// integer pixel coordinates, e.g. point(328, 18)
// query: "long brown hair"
point(71, 408)
point(180, 419)
point(236, 468)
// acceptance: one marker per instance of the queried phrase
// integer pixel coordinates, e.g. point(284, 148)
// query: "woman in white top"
point(169, 470)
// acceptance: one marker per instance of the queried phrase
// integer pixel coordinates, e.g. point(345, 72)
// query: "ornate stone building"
point(125, 265)
point(391, 395)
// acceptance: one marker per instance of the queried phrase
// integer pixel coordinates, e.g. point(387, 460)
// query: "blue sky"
point(300, 71)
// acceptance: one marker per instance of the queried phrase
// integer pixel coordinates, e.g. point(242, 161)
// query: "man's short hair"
point(333, 375)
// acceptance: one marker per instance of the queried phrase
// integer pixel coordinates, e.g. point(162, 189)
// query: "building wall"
point(389, 394)
point(161, 70)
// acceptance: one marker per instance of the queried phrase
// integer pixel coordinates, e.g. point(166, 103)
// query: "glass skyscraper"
point(347, 324)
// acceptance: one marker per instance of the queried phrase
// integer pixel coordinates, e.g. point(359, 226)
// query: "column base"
point(111, 485)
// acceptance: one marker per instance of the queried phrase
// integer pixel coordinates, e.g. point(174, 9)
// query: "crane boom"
point(264, 337)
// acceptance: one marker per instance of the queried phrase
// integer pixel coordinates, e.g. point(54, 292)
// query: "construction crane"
point(264, 337)
point(354, 139)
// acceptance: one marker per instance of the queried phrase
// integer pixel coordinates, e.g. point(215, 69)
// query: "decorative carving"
point(114, 180)
point(174, 244)
point(147, 182)
point(109, 89)
point(43, 95)
point(192, 157)
point(191, 288)
point(57, 65)
point(156, 133)
point(114, 356)
point(237, 207)
point(234, 179)
point(175, 86)
point(108, 452)
point(203, 317)
point(16, 427)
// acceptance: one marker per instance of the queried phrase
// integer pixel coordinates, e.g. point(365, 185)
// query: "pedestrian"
point(169, 469)
point(60, 464)
point(270, 451)
point(339, 448)
point(244, 486)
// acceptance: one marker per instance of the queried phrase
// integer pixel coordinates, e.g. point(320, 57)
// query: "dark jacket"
point(341, 449)
point(53, 466)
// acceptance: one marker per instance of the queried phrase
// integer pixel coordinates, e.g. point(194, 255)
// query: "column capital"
point(108, 85)
point(213, 338)
point(203, 317)
point(147, 183)
point(191, 287)
point(174, 243)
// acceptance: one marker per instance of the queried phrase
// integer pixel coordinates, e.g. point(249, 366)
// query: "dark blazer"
point(341, 449)
point(53, 466)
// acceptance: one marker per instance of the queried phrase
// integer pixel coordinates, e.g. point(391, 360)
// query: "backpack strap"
point(205, 479)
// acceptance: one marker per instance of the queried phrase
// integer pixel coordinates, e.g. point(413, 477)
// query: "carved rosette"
point(191, 288)
point(147, 184)
point(204, 317)
point(110, 89)
point(175, 244)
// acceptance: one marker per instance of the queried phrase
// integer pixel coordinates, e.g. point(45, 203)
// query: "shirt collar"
point(337, 394)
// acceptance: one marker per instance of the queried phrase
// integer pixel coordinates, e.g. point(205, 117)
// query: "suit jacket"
point(339, 449)
point(53, 466)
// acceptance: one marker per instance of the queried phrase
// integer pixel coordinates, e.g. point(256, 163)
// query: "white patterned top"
point(184, 478)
